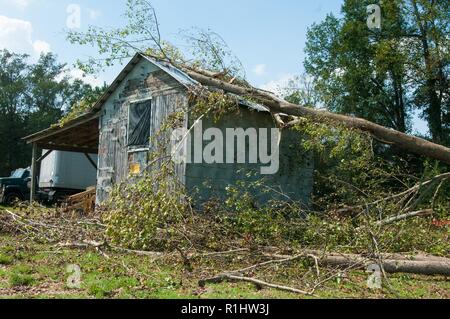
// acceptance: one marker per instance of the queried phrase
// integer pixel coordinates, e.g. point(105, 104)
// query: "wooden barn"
point(139, 101)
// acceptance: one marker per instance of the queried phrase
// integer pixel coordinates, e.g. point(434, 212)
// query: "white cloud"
point(260, 69)
point(40, 46)
point(86, 78)
point(276, 86)
point(17, 35)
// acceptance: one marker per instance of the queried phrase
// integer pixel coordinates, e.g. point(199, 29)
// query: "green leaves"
point(87, 96)
point(383, 75)
point(146, 214)
point(33, 96)
point(141, 33)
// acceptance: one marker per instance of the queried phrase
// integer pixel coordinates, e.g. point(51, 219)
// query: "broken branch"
point(258, 283)
point(420, 213)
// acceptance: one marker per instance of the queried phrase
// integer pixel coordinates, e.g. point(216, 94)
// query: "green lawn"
point(29, 270)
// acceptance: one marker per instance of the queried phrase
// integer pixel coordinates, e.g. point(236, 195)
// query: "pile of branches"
point(192, 239)
point(325, 267)
point(406, 203)
point(49, 226)
point(208, 234)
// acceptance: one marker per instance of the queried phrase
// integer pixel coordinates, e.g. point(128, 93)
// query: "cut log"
point(422, 265)
point(391, 266)
point(276, 105)
point(430, 268)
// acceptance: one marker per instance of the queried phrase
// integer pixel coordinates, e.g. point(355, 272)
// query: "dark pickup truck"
point(16, 187)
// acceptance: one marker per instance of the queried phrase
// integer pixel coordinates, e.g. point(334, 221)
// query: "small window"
point(18, 173)
point(139, 124)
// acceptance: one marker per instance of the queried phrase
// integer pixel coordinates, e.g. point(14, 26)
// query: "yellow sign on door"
point(135, 169)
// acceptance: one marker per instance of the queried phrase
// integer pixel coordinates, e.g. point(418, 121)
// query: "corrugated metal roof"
point(250, 104)
point(173, 71)
point(176, 73)
point(187, 81)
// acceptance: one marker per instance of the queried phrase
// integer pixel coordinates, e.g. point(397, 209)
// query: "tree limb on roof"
point(276, 105)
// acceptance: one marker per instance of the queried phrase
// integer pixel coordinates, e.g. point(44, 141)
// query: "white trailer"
point(66, 173)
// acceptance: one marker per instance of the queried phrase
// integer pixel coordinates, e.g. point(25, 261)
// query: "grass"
point(21, 276)
point(5, 259)
point(38, 271)
point(20, 280)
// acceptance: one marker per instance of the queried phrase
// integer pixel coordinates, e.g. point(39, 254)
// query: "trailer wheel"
point(59, 198)
point(12, 198)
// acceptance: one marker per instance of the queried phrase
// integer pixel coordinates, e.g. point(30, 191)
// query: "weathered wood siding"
point(145, 81)
point(294, 180)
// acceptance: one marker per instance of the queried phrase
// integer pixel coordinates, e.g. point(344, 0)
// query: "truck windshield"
point(18, 173)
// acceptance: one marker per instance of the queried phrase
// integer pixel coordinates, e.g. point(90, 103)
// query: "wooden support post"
point(33, 173)
point(43, 157)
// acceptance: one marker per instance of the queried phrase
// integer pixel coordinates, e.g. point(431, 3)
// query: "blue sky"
point(268, 36)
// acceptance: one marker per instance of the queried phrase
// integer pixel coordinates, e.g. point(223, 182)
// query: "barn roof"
point(81, 134)
point(174, 72)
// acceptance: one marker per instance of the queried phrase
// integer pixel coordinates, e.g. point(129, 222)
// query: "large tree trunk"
point(420, 267)
point(276, 105)
point(395, 263)
point(434, 104)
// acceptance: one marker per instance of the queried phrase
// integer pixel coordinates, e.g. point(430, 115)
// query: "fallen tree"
point(210, 50)
point(279, 107)
point(420, 265)
point(394, 263)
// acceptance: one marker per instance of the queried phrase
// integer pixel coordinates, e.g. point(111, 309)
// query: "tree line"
point(385, 75)
point(33, 96)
